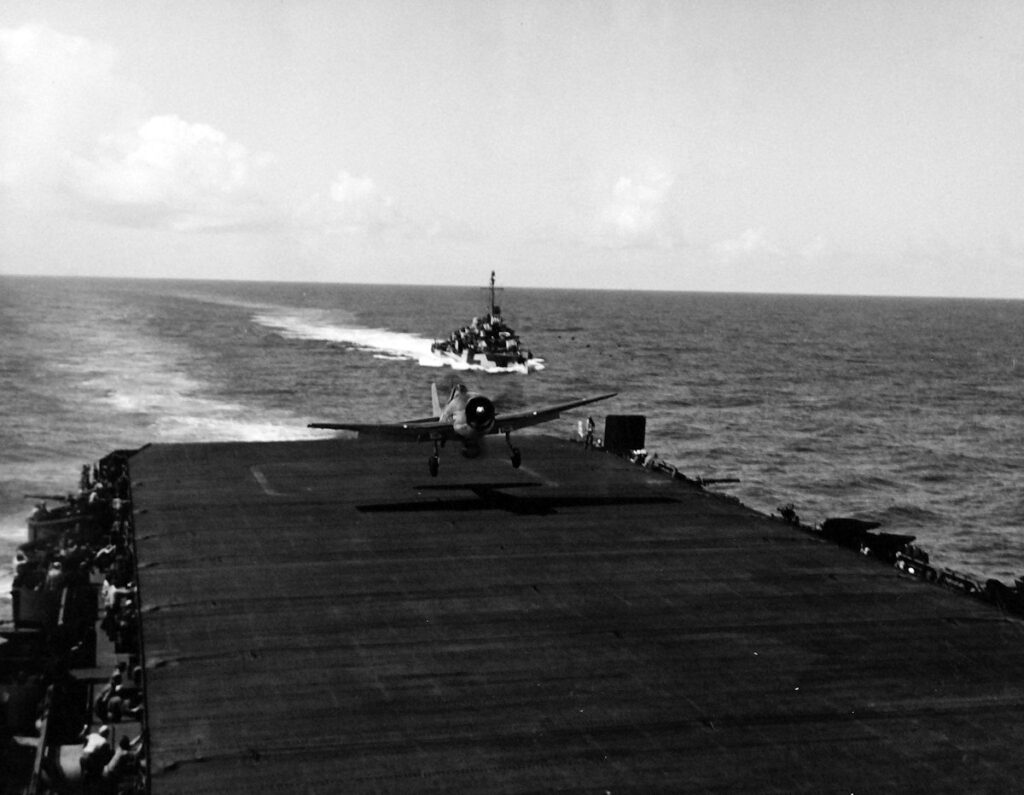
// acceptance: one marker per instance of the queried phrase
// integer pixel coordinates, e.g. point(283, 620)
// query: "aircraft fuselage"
point(470, 414)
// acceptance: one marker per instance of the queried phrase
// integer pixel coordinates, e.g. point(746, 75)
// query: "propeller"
point(480, 414)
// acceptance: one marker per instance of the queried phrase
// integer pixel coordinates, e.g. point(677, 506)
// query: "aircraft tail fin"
point(435, 401)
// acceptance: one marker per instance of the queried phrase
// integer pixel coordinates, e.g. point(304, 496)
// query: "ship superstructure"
point(486, 343)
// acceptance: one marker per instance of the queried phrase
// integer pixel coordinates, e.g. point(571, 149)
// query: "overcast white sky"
point(762, 146)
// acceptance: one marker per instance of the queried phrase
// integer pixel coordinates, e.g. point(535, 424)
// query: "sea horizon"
point(504, 286)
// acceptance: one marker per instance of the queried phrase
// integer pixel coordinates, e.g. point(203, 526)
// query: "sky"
point(868, 147)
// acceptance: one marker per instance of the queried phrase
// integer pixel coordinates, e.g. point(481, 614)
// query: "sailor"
point(102, 705)
point(103, 559)
point(123, 764)
point(96, 752)
point(55, 577)
point(116, 707)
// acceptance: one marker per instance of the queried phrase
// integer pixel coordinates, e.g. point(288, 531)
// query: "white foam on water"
point(173, 408)
point(176, 411)
point(13, 528)
point(215, 422)
point(318, 325)
point(148, 383)
point(436, 360)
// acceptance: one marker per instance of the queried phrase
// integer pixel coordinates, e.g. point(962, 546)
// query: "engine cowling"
point(480, 414)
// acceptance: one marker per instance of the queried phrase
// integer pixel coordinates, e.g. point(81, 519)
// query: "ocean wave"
point(13, 528)
point(901, 515)
point(156, 400)
point(232, 428)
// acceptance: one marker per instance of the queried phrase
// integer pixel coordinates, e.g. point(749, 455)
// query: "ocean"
point(905, 411)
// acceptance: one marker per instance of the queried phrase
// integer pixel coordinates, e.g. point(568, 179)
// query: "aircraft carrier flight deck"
point(325, 616)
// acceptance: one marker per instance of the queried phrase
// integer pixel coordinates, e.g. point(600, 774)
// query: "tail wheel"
point(434, 463)
point(517, 458)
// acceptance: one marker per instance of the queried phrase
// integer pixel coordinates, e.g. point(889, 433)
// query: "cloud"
point(634, 214)
point(359, 203)
point(751, 244)
point(175, 174)
point(816, 249)
point(58, 93)
point(352, 206)
point(73, 129)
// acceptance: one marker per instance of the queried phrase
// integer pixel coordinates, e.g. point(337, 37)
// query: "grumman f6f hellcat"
point(466, 417)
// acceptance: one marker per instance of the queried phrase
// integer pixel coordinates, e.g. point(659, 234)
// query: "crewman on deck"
point(123, 765)
point(55, 577)
point(96, 753)
point(102, 702)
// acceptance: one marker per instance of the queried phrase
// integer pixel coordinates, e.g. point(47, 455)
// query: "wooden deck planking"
point(324, 616)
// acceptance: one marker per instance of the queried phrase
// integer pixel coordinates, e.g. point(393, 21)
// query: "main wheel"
point(434, 465)
point(517, 459)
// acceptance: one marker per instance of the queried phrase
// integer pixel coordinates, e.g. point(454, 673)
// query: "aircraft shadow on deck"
point(492, 496)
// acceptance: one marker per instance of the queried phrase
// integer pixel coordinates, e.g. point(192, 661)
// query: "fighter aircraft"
point(468, 417)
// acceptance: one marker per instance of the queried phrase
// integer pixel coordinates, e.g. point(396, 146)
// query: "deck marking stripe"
point(264, 484)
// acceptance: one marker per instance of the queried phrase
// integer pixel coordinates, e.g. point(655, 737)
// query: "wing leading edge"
point(431, 429)
point(523, 419)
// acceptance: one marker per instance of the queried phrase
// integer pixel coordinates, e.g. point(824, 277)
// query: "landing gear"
point(517, 457)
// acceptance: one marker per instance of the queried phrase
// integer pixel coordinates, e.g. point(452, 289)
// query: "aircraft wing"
point(523, 419)
point(413, 430)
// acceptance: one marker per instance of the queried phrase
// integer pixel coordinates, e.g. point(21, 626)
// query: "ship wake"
point(319, 325)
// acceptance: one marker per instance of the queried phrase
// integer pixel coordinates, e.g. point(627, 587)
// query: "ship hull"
point(489, 361)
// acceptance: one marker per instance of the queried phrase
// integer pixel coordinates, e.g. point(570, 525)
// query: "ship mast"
point(495, 309)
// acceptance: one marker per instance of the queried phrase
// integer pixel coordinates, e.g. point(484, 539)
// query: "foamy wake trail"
point(213, 422)
point(13, 529)
point(313, 325)
point(163, 403)
point(382, 343)
point(433, 360)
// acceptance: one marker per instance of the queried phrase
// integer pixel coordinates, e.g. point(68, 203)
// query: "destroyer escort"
point(488, 344)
